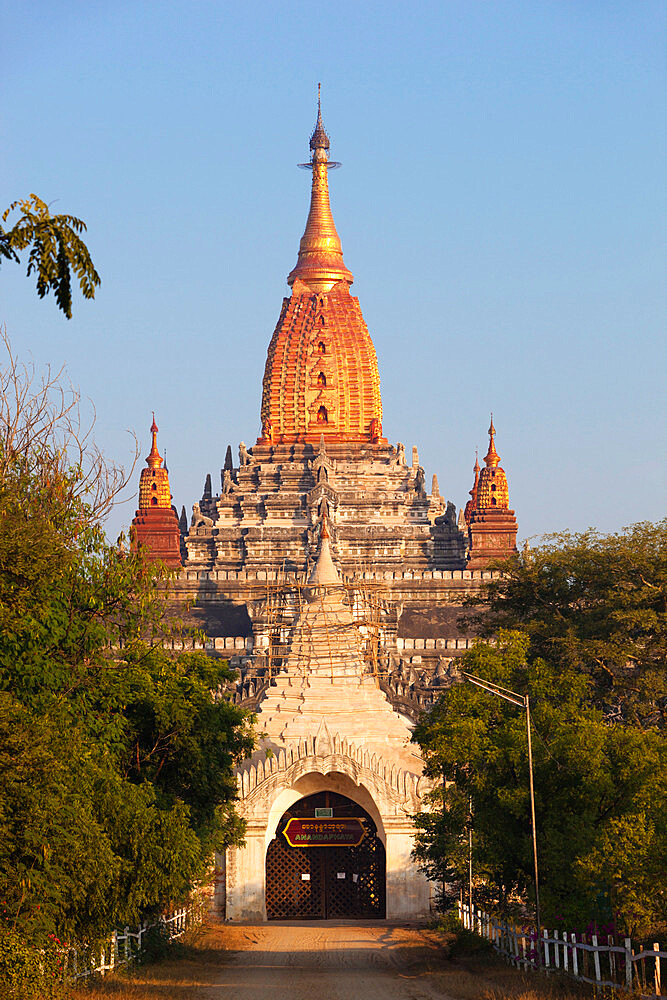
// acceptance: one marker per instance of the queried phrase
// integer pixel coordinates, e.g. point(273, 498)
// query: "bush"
point(156, 944)
point(28, 972)
point(459, 941)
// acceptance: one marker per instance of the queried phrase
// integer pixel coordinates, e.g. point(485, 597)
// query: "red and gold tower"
point(491, 524)
point(155, 526)
point(321, 374)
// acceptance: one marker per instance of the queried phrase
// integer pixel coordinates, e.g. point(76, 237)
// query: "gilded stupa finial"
point(492, 458)
point(320, 264)
point(319, 139)
point(154, 460)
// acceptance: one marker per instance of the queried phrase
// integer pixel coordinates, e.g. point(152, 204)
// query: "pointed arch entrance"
point(310, 882)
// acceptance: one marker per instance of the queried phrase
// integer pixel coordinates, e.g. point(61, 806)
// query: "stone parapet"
point(297, 576)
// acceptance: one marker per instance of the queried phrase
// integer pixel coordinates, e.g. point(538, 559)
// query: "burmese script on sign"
point(313, 832)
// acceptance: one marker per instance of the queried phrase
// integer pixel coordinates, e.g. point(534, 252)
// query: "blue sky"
point(501, 205)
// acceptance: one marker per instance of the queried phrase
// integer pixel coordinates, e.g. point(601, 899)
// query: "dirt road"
point(329, 961)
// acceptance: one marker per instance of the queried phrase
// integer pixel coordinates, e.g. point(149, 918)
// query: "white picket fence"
point(635, 969)
point(126, 945)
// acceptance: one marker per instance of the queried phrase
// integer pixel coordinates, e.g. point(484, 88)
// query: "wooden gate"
point(316, 883)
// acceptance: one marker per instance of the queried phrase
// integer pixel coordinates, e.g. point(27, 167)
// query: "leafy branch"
point(56, 250)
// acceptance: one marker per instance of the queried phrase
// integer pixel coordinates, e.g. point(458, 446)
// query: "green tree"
point(592, 779)
point(141, 742)
point(56, 250)
point(595, 604)
point(116, 760)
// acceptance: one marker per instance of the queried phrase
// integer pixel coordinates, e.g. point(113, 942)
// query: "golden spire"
point(154, 460)
point(492, 458)
point(320, 263)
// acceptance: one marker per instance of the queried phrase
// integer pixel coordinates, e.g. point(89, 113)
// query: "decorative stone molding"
point(327, 750)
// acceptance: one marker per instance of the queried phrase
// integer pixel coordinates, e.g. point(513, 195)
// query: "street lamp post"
point(523, 701)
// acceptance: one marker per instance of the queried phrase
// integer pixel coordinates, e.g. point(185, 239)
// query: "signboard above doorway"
point(315, 832)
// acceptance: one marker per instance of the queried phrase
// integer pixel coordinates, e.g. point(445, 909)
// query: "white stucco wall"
point(408, 892)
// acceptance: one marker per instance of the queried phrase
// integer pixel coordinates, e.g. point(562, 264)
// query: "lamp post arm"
point(491, 688)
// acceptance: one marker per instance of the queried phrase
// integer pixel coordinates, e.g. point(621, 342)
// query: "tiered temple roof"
point(323, 492)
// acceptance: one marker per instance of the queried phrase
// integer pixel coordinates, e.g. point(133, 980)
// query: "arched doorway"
point(309, 882)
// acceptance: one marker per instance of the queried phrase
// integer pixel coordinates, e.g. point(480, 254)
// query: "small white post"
point(546, 948)
point(566, 964)
point(628, 963)
point(596, 958)
point(557, 949)
point(656, 947)
point(575, 962)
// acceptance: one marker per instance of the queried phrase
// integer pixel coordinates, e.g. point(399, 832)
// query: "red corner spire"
point(155, 526)
point(491, 524)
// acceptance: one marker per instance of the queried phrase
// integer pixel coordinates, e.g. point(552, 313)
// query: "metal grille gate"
point(341, 882)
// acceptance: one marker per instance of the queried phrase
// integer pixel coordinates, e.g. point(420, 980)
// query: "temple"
point(332, 580)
